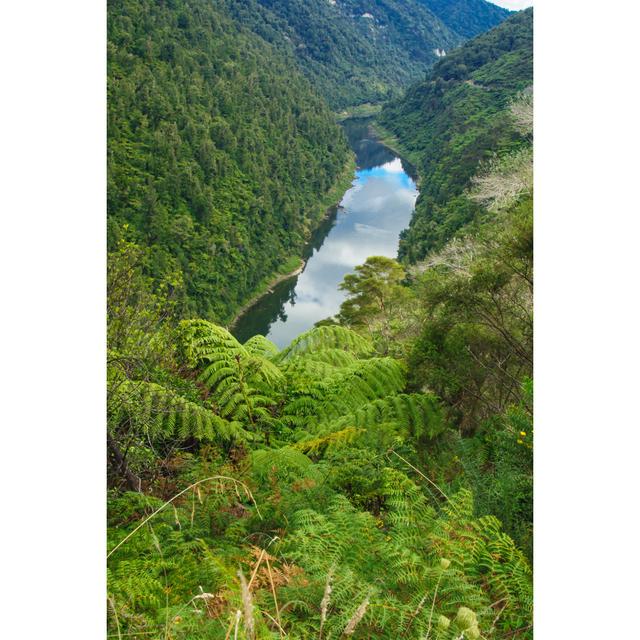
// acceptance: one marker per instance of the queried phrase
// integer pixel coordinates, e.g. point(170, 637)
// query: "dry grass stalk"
point(237, 624)
point(170, 501)
point(415, 614)
point(115, 614)
point(433, 606)
point(247, 603)
point(275, 599)
point(356, 618)
point(255, 570)
point(324, 604)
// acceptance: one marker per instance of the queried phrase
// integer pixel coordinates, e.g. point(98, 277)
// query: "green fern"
point(243, 383)
point(348, 389)
point(325, 338)
point(418, 415)
point(260, 346)
point(157, 411)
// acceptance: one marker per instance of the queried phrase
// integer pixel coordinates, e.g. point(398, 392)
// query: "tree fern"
point(157, 411)
point(418, 415)
point(348, 389)
point(242, 381)
point(324, 338)
point(340, 438)
point(260, 346)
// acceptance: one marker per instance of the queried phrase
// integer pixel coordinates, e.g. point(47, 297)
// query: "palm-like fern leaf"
point(243, 382)
point(161, 412)
point(417, 414)
point(348, 389)
point(327, 337)
point(260, 346)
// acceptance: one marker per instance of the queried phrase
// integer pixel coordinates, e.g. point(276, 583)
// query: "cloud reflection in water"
point(374, 212)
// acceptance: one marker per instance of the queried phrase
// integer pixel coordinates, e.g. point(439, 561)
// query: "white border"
point(586, 342)
point(52, 134)
point(52, 146)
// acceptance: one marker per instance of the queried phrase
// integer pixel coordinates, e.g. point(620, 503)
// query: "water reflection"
point(368, 222)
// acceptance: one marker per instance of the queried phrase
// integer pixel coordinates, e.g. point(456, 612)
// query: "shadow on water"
point(371, 215)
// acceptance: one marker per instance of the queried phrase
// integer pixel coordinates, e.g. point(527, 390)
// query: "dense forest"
point(453, 120)
point(221, 157)
point(373, 479)
point(353, 51)
point(365, 51)
point(467, 18)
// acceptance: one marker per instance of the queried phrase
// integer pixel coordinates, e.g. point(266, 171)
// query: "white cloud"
point(394, 166)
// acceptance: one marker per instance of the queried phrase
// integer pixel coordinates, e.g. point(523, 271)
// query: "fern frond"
point(260, 346)
point(327, 337)
point(200, 340)
point(160, 412)
point(348, 389)
point(340, 438)
point(419, 414)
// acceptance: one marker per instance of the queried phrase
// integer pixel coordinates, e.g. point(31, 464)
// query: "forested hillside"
point(467, 18)
point(452, 122)
point(366, 51)
point(221, 156)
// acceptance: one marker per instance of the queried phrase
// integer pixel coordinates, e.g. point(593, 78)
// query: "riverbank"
point(366, 110)
point(377, 207)
point(267, 288)
point(295, 264)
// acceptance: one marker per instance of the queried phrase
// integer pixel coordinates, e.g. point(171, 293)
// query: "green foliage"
point(419, 415)
point(476, 344)
point(240, 380)
point(326, 337)
point(454, 120)
point(158, 412)
point(220, 154)
point(371, 290)
point(334, 488)
point(346, 541)
point(467, 17)
point(497, 463)
point(378, 303)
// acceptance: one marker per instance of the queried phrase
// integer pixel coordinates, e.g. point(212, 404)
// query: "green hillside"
point(362, 51)
point(467, 18)
point(221, 155)
point(452, 121)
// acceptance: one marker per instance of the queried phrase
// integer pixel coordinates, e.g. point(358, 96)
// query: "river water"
point(367, 222)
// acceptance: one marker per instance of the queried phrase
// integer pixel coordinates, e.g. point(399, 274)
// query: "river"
point(367, 222)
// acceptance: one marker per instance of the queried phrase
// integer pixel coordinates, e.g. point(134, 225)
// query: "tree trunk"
point(133, 482)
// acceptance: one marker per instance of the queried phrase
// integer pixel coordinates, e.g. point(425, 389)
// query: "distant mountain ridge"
point(359, 51)
point(467, 18)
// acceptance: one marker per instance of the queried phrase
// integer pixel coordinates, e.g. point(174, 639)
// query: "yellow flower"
point(520, 442)
point(523, 433)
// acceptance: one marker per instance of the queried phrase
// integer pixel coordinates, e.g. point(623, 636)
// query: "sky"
point(513, 4)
